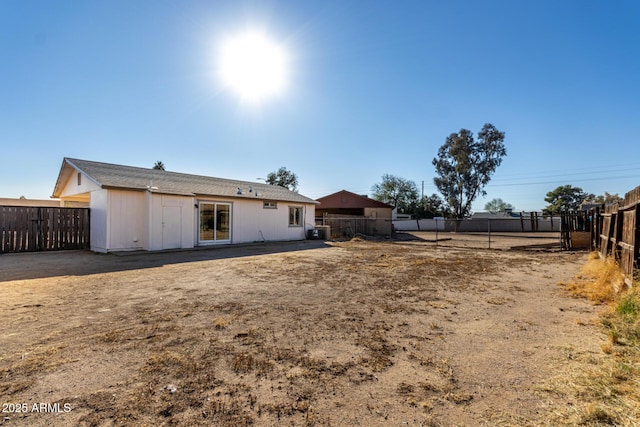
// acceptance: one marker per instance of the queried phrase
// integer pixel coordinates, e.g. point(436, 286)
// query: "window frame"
point(215, 223)
point(269, 204)
point(292, 215)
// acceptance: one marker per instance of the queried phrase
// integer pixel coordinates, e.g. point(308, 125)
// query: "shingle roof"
point(109, 175)
point(347, 200)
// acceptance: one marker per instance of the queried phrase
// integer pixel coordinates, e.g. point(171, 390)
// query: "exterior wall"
point(133, 220)
point(71, 189)
point(383, 224)
point(99, 224)
point(378, 213)
point(126, 219)
point(251, 222)
point(159, 226)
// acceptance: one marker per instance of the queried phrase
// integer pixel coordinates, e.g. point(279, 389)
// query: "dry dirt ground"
point(329, 334)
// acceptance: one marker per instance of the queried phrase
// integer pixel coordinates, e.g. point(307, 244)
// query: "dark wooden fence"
point(575, 229)
point(31, 228)
point(616, 232)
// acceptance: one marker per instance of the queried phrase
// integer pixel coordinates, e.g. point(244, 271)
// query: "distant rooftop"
point(347, 200)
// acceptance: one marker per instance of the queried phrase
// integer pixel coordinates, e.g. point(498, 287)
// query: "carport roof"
point(108, 175)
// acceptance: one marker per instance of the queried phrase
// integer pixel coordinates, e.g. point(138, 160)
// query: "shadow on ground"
point(36, 265)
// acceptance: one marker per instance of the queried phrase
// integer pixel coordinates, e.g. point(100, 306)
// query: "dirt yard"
point(310, 333)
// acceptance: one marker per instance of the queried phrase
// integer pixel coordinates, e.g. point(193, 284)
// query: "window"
point(270, 205)
point(79, 178)
point(215, 222)
point(295, 216)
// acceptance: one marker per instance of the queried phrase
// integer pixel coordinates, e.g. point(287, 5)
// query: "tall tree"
point(283, 178)
point(565, 198)
point(428, 207)
point(605, 199)
point(158, 165)
point(396, 191)
point(464, 166)
point(498, 205)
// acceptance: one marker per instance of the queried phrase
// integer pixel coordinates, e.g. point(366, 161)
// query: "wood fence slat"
point(2, 229)
point(22, 226)
point(32, 228)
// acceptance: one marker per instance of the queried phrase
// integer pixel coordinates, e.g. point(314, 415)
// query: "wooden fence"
point(345, 226)
point(616, 232)
point(575, 230)
point(31, 228)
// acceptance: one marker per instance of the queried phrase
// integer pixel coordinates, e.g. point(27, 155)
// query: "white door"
point(171, 227)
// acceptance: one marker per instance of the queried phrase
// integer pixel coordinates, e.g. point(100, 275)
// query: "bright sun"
point(253, 66)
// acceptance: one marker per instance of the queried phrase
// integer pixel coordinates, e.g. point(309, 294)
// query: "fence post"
point(489, 229)
point(561, 245)
point(436, 219)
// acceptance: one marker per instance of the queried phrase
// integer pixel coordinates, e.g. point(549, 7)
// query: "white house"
point(146, 209)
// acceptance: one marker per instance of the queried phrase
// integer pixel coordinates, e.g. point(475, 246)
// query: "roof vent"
point(239, 193)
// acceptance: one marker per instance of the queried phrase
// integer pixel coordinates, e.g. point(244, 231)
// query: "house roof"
point(107, 175)
point(347, 200)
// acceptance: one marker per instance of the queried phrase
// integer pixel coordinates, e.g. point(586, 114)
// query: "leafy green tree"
point(565, 198)
point(158, 165)
point(605, 199)
point(396, 191)
point(464, 166)
point(428, 207)
point(498, 205)
point(283, 178)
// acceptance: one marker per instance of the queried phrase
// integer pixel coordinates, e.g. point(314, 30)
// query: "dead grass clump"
point(380, 351)
point(247, 362)
point(404, 388)
point(174, 363)
point(220, 323)
point(597, 415)
point(601, 280)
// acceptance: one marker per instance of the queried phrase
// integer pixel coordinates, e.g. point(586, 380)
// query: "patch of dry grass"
point(608, 388)
point(600, 280)
point(22, 371)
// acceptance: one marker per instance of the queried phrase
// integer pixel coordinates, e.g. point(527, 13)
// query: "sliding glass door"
point(215, 222)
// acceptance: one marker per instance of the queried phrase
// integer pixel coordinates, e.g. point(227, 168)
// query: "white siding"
point(158, 234)
point(99, 224)
point(126, 218)
point(72, 188)
point(251, 222)
point(130, 220)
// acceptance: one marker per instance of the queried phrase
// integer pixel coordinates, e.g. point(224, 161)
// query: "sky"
point(373, 88)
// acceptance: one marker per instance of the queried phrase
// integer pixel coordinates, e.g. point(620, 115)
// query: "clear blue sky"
point(375, 87)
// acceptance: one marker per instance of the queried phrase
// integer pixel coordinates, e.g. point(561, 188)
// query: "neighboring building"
point(29, 202)
point(347, 204)
point(136, 208)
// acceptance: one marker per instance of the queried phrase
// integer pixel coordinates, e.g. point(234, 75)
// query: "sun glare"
point(253, 66)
